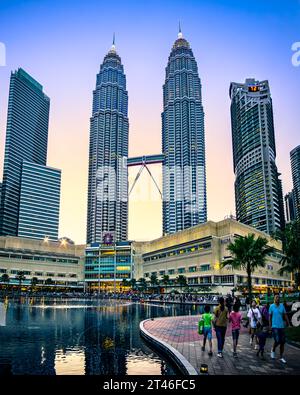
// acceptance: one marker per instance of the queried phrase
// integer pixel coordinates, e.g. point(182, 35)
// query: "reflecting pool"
point(81, 337)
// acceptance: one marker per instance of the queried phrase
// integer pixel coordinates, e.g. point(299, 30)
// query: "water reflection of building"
point(61, 262)
point(34, 334)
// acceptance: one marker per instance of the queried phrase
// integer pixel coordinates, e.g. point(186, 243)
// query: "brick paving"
point(181, 333)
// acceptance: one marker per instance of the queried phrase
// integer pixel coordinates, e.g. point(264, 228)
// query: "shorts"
point(252, 331)
point(235, 334)
point(279, 335)
point(207, 333)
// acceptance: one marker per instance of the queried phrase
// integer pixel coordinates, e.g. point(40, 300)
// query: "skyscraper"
point(39, 201)
point(290, 207)
point(258, 189)
point(108, 152)
point(26, 139)
point(183, 144)
point(295, 163)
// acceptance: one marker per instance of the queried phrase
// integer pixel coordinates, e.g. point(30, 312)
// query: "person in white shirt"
point(254, 316)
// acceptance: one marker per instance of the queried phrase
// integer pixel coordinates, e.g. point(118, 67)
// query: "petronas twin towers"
point(183, 148)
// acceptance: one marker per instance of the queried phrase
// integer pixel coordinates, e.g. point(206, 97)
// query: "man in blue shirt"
point(277, 317)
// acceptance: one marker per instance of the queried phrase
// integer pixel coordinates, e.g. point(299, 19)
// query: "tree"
point(5, 279)
point(34, 282)
point(20, 277)
point(248, 253)
point(125, 282)
point(132, 282)
point(49, 281)
point(181, 281)
point(290, 260)
point(165, 280)
point(142, 284)
point(153, 280)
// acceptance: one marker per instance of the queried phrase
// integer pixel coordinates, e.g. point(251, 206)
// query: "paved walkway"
point(181, 334)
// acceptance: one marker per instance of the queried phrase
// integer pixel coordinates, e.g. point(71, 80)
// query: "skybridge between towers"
point(143, 162)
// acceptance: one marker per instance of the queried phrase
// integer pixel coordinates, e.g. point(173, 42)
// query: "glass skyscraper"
point(26, 139)
point(39, 201)
point(183, 144)
point(31, 190)
point(258, 189)
point(108, 152)
point(295, 163)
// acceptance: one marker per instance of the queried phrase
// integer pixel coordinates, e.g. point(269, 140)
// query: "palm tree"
point(125, 282)
point(142, 283)
point(49, 281)
point(290, 260)
point(5, 279)
point(248, 253)
point(165, 280)
point(181, 281)
point(132, 282)
point(153, 280)
point(34, 282)
point(20, 277)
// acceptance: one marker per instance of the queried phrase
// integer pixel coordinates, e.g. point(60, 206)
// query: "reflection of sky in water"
point(74, 337)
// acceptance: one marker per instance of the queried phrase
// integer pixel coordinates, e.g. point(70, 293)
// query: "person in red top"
point(235, 318)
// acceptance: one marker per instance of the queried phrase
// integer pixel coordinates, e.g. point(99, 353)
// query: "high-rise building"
point(290, 208)
point(26, 139)
point(258, 189)
point(108, 151)
point(295, 163)
point(183, 144)
point(25, 163)
point(39, 202)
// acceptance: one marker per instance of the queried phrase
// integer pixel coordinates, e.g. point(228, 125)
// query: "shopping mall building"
point(56, 264)
point(198, 253)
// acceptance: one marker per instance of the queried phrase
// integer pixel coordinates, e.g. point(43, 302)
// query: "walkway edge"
point(180, 361)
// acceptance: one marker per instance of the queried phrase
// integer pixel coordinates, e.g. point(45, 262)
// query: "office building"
point(108, 152)
point(258, 189)
point(295, 164)
point(39, 201)
point(183, 145)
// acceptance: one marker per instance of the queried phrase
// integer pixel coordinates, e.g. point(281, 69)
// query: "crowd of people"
point(262, 322)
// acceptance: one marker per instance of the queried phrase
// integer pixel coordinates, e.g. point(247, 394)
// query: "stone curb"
point(179, 360)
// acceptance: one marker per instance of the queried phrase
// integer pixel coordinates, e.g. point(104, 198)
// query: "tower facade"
point(258, 189)
point(108, 152)
point(26, 140)
point(183, 143)
point(295, 163)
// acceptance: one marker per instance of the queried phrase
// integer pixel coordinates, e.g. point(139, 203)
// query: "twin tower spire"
point(183, 148)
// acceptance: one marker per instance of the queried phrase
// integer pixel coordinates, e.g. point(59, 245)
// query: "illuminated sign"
point(108, 238)
point(253, 88)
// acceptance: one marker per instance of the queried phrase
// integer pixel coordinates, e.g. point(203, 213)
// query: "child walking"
point(207, 328)
point(235, 318)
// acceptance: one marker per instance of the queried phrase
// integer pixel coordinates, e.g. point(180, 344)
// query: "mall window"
point(171, 271)
point(192, 269)
point(204, 268)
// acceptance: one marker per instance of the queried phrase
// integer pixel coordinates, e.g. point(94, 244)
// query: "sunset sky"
point(62, 44)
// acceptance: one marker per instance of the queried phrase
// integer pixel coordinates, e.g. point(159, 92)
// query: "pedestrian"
point(254, 316)
point(220, 324)
point(228, 302)
point(263, 329)
point(235, 317)
point(247, 302)
point(207, 318)
point(277, 317)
